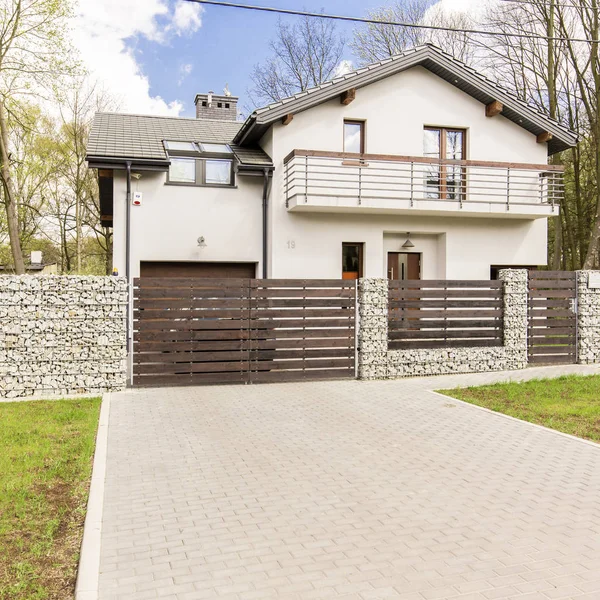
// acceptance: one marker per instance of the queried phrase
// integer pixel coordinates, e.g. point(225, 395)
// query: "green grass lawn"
point(570, 404)
point(46, 450)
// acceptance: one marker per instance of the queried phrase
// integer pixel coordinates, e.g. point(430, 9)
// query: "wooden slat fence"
point(196, 331)
point(445, 313)
point(552, 323)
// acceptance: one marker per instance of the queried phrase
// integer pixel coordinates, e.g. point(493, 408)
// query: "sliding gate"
point(195, 331)
point(552, 322)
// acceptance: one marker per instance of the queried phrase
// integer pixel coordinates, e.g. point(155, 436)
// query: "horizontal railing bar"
point(422, 160)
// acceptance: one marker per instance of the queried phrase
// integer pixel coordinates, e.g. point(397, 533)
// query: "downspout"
point(265, 206)
point(128, 274)
point(127, 229)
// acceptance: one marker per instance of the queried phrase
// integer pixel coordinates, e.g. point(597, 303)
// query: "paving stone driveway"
point(343, 490)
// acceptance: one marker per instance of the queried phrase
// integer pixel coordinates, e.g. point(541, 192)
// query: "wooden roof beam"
point(287, 119)
point(348, 96)
point(544, 137)
point(493, 108)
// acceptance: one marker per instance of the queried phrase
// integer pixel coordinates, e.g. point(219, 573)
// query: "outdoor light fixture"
point(201, 242)
point(408, 244)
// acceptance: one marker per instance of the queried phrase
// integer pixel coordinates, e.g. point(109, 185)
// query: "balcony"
point(316, 181)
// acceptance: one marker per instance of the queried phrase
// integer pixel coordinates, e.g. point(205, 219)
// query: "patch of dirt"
point(55, 571)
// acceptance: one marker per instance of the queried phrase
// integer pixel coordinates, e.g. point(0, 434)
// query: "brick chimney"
point(211, 106)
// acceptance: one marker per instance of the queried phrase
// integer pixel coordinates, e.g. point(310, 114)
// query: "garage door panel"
point(215, 270)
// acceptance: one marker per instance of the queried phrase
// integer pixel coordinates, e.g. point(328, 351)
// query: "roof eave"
point(118, 163)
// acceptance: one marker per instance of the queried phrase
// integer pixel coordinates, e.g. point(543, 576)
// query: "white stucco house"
point(414, 167)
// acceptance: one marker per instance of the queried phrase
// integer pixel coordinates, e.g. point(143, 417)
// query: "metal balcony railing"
point(313, 174)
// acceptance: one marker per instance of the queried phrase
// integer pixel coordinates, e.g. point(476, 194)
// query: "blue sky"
point(224, 49)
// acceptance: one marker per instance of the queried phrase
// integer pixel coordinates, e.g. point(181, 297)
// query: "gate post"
point(588, 317)
point(516, 292)
point(373, 328)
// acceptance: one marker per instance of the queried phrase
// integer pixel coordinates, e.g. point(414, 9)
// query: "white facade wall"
point(170, 220)
point(396, 110)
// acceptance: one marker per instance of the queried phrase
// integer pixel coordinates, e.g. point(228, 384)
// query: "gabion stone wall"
point(377, 362)
point(588, 319)
point(62, 335)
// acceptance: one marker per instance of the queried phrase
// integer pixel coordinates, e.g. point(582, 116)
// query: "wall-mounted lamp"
point(408, 244)
point(201, 242)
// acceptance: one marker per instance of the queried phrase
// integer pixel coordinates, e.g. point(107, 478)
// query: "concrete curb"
point(88, 572)
point(499, 414)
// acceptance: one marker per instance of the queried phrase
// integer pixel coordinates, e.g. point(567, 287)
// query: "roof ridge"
point(193, 119)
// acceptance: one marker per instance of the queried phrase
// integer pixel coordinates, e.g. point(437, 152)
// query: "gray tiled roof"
point(117, 135)
point(437, 61)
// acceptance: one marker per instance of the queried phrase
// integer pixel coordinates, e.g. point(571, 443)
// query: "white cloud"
point(344, 67)
point(184, 71)
point(101, 32)
point(186, 17)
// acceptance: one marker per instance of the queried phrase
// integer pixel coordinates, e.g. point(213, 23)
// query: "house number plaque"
point(594, 281)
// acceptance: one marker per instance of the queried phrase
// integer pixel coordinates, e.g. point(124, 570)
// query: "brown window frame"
point(443, 191)
point(360, 246)
point(362, 133)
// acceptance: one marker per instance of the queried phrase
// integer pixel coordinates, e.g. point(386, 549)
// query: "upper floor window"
point(182, 170)
point(200, 163)
point(445, 181)
point(217, 172)
point(354, 137)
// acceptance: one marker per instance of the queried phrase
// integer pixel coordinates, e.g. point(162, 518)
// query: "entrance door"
point(352, 260)
point(404, 265)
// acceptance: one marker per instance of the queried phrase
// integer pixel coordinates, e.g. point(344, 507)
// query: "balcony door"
point(404, 265)
point(443, 181)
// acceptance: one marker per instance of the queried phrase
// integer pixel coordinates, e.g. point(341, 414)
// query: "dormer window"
point(200, 163)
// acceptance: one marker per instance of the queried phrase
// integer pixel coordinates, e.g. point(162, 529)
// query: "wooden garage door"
point(219, 270)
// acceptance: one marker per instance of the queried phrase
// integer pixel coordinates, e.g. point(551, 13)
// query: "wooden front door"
point(404, 265)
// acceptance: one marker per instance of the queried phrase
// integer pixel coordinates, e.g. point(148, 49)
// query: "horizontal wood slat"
point(570, 275)
point(193, 330)
point(470, 324)
point(205, 283)
point(558, 284)
point(441, 283)
point(420, 294)
point(427, 303)
point(423, 344)
point(248, 303)
point(161, 379)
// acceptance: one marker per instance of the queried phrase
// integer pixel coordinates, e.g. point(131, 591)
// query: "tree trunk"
point(592, 251)
point(10, 197)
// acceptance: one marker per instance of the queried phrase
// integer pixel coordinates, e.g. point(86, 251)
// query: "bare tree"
point(561, 78)
point(303, 55)
point(375, 42)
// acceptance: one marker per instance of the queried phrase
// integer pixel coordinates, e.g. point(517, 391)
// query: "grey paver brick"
point(344, 490)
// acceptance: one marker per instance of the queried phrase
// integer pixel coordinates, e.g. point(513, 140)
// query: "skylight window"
point(185, 146)
point(215, 148)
